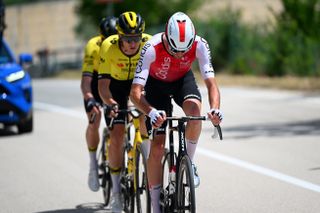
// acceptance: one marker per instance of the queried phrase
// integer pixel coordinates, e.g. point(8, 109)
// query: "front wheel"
point(186, 193)
point(167, 193)
point(141, 182)
point(104, 174)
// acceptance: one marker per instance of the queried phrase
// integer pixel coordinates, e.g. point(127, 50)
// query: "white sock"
point(115, 183)
point(155, 198)
point(191, 148)
point(93, 160)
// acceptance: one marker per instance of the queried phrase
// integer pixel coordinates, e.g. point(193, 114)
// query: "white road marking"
point(208, 153)
point(259, 169)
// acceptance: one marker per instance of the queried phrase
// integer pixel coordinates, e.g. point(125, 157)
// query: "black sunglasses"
point(130, 39)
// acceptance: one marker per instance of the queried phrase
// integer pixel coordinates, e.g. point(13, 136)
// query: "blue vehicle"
point(15, 90)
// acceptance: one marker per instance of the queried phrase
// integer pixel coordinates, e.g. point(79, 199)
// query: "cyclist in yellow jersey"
point(119, 55)
point(89, 88)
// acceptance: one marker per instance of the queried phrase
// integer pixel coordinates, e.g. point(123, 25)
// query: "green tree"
point(296, 39)
point(155, 12)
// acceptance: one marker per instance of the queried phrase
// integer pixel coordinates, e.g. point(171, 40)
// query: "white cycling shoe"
point(115, 203)
point(196, 178)
point(93, 180)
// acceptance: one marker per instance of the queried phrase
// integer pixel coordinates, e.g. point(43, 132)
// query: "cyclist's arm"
point(138, 99)
point(104, 75)
point(86, 87)
point(140, 78)
point(87, 69)
point(203, 54)
point(213, 93)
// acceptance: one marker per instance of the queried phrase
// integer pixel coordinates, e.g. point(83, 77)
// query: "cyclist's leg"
point(120, 91)
point(154, 168)
point(144, 134)
point(115, 155)
point(189, 98)
point(157, 94)
point(92, 138)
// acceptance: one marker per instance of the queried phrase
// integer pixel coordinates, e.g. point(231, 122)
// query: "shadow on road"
point(82, 208)
point(272, 130)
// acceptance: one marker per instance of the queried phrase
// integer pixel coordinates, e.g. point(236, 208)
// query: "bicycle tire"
point(143, 199)
point(126, 181)
point(185, 189)
point(167, 198)
point(104, 174)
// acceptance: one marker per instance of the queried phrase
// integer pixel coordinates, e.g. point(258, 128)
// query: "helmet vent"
point(172, 43)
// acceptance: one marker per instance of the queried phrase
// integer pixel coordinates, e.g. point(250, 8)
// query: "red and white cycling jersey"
point(158, 63)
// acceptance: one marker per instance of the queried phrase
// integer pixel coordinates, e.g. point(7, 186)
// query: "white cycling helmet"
point(180, 32)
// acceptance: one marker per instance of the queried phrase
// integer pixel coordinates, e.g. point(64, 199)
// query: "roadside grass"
point(307, 84)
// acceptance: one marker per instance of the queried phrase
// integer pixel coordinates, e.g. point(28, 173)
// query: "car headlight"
point(15, 76)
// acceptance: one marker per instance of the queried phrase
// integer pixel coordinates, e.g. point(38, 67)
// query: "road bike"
point(178, 192)
point(129, 177)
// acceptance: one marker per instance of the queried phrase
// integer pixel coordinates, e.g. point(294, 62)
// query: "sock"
point(115, 177)
point(191, 148)
point(155, 198)
point(93, 160)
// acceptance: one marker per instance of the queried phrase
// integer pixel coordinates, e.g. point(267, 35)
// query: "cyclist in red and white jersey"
point(164, 70)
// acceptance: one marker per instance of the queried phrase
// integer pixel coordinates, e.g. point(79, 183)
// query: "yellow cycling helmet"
point(130, 23)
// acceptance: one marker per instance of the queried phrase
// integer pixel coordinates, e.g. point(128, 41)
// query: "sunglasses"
point(130, 39)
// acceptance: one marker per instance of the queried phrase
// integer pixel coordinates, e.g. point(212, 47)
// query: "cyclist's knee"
point(192, 107)
point(157, 147)
point(94, 126)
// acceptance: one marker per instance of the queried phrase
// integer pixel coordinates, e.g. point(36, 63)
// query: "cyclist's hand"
point(111, 110)
point(157, 117)
point(91, 104)
point(216, 116)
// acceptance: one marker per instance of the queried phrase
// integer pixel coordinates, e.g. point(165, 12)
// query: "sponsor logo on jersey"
point(142, 54)
point(120, 65)
point(163, 70)
point(208, 50)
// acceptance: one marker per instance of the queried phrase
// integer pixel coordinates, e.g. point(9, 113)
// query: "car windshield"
point(5, 56)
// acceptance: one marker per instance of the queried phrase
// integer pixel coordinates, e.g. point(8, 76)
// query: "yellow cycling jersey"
point(114, 63)
point(91, 58)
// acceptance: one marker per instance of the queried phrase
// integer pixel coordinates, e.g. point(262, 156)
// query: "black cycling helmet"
point(107, 26)
point(130, 23)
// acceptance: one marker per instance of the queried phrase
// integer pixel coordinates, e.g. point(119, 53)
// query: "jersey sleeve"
point(147, 56)
point(88, 59)
point(203, 55)
point(104, 69)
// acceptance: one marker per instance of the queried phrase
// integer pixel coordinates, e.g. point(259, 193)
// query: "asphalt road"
point(269, 159)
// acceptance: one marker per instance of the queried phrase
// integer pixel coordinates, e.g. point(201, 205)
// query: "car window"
point(5, 56)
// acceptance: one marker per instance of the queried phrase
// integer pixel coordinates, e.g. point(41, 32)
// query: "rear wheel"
point(128, 194)
point(141, 183)
point(104, 174)
point(186, 192)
